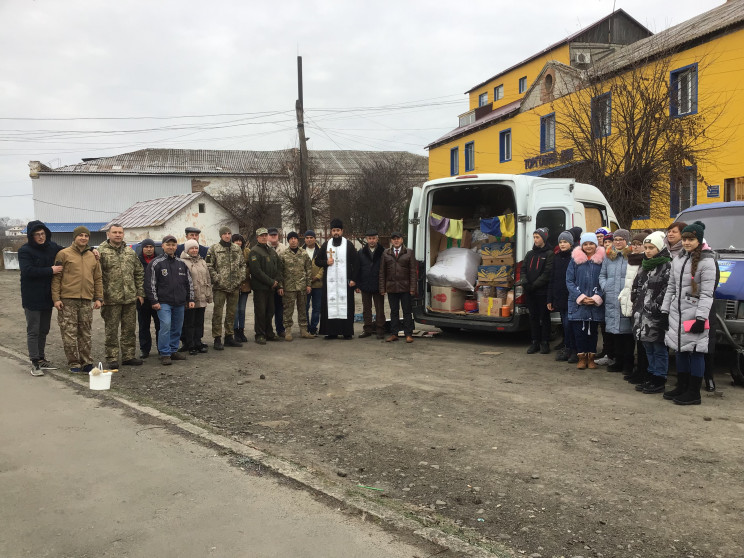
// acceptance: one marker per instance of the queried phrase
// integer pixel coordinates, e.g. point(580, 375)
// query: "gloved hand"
point(698, 326)
point(664, 322)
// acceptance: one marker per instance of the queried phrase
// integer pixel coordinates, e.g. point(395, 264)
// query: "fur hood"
point(579, 256)
point(613, 254)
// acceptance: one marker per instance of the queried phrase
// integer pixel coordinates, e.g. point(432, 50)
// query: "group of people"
point(650, 293)
point(172, 290)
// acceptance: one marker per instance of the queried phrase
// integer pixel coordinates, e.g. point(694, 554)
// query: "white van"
point(555, 203)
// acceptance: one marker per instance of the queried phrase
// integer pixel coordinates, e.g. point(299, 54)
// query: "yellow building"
point(521, 120)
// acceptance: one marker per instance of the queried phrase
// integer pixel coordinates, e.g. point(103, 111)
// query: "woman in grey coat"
point(612, 281)
point(686, 307)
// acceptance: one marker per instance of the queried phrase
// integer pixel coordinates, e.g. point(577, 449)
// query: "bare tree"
point(379, 195)
point(253, 202)
point(628, 142)
point(289, 189)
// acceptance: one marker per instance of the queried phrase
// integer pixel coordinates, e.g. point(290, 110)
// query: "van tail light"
point(518, 290)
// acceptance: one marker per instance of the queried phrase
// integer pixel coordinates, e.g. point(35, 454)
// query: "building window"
point(498, 92)
point(469, 156)
point(454, 161)
point(683, 90)
point(202, 208)
point(483, 99)
point(523, 84)
point(547, 133)
point(683, 191)
point(602, 115)
point(505, 152)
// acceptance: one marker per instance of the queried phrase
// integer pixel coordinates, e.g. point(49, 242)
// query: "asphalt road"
point(80, 477)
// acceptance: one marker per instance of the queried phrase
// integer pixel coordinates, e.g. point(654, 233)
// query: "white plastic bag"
point(455, 267)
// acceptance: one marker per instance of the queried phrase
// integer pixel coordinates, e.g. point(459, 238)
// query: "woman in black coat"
point(558, 295)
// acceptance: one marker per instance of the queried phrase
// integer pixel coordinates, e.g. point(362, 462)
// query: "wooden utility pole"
point(304, 188)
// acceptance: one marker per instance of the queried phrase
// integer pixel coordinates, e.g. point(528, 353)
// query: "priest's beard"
point(337, 240)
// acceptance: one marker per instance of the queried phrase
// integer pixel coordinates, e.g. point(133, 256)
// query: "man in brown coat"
point(398, 280)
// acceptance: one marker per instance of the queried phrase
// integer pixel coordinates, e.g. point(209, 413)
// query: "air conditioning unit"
point(582, 58)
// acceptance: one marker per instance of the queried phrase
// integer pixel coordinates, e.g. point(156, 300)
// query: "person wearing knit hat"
point(558, 295)
point(314, 299)
point(576, 232)
point(296, 285)
point(145, 313)
point(243, 291)
point(618, 327)
point(589, 237)
point(226, 265)
point(637, 374)
point(687, 304)
point(649, 327)
point(193, 318)
point(601, 232)
point(535, 277)
point(73, 289)
point(189, 244)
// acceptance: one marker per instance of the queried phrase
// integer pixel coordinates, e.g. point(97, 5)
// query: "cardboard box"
point(447, 242)
point(489, 260)
point(498, 250)
point(490, 306)
point(495, 274)
point(447, 299)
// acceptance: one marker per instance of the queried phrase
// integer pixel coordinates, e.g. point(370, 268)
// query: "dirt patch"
point(510, 449)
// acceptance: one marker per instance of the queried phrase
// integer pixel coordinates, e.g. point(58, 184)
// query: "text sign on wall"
point(714, 191)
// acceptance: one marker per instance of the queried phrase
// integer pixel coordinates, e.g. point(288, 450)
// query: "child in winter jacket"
point(558, 295)
point(535, 278)
point(649, 288)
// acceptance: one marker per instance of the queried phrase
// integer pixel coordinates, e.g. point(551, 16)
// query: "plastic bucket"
point(505, 311)
point(100, 381)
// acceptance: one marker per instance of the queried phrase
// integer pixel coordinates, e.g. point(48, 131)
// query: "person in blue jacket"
point(37, 262)
point(585, 297)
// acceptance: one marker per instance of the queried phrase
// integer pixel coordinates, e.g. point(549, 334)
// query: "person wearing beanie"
point(647, 295)
point(601, 232)
point(314, 298)
point(638, 374)
point(36, 259)
point(297, 274)
point(558, 295)
point(243, 291)
point(123, 288)
point(617, 325)
point(687, 306)
point(275, 244)
point(193, 318)
point(607, 241)
point(192, 233)
point(534, 278)
point(146, 252)
point(226, 265)
point(585, 297)
point(76, 291)
point(576, 233)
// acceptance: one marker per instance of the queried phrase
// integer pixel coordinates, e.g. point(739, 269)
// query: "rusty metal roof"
point(153, 213)
point(207, 162)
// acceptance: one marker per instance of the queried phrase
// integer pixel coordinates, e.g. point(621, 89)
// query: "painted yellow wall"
point(511, 79)
point(720, 73)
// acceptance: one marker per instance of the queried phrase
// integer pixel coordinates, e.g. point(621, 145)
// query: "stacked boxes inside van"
point(496, 277)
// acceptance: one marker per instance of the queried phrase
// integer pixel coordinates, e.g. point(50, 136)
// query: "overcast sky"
point(103, 78)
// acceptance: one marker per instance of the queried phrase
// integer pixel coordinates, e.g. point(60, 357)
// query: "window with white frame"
point(683, 191)
point(498, 92)
point(602, 115)
point(523, 84)
point(547, 133)
point(483, 99)
point(454, 161)
point(683, 89)
point(470, 156)
point(505, 146)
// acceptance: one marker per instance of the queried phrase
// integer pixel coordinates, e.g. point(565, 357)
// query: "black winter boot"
point(683, 380)
point(656, 385)
point(535, 347)
point(231, 342)
point(218, 346)
point(573, 358)
point(243, 338)
point(562, 355)
point(692, 395)
point(637, 377)
point(544, 348)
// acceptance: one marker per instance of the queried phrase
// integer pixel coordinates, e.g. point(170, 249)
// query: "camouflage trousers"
point(227, 303)
point(115, 315)
point(75, 322)
point(294, 299)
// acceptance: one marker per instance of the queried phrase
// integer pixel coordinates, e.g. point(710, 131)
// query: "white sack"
point(455, 267)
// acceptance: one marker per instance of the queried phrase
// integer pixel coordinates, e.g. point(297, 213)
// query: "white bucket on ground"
point(100, 381)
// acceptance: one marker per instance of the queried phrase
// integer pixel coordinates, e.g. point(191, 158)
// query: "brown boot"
point(590, 361)
point(582, 361)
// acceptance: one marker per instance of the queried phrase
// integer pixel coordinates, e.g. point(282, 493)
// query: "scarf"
point(652, 263)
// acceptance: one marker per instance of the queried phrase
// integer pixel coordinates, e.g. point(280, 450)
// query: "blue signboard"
point(714, 190)
point(731, 285)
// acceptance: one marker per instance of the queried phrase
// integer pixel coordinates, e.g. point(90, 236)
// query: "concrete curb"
point(301, 475)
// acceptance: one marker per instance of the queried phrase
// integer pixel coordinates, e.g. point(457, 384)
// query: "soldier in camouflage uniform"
point(227, 270)
point(73, 291)
point(297, 274)
point(123, 286)
point(266, 278)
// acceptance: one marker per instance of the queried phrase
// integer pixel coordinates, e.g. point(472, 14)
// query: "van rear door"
point(416, 240)
point(552, 207)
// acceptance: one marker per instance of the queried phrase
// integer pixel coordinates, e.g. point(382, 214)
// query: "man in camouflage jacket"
point(297, 274)
point(123, 286)
point(227, 270)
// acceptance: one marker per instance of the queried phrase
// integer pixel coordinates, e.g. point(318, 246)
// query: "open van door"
point(415, 217)
point(552, 207)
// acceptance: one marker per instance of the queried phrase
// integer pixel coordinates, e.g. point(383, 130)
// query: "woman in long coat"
point(687, 304)
point(585, 297)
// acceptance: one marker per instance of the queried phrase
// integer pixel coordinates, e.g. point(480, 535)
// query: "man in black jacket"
point(37, 263)
point(145, 313)
point(369, 285)
point(169, 288)
point(534, 278)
